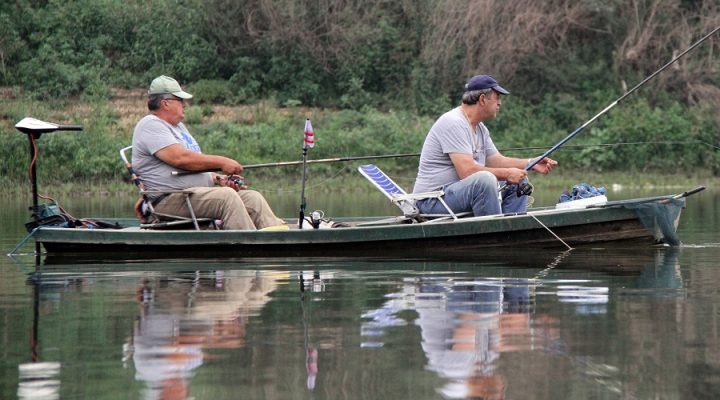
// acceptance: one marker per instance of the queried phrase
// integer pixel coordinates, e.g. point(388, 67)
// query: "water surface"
point(599, 323)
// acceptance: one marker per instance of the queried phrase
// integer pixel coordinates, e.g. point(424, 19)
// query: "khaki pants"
point(246, 209)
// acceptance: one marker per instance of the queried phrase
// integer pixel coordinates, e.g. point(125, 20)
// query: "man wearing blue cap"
point(459, 157)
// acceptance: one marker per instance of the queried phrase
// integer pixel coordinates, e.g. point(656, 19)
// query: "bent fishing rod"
point(621, 98)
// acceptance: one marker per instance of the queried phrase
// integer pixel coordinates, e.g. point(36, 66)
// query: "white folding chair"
point(405, 201)
point(149, 218)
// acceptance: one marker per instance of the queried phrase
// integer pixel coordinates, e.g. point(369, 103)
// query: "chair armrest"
point(418, 196)
point(164, 191)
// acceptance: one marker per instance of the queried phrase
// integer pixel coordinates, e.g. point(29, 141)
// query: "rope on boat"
point(551, 232)
point(22, 242)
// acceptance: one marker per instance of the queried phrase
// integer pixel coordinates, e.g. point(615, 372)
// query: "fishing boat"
point(646, 221)
point(591, 221)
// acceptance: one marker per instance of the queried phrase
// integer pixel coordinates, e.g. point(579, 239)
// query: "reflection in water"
point(314, 283)
point(483, 336)
point(179, 320)
point(39, 381)
point(468, 323)
point(465, 326)
point(664, 273)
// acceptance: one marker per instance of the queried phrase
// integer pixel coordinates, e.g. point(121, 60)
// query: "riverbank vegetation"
point(371, 75)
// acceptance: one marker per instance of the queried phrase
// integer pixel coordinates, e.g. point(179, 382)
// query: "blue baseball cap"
point(480, 82)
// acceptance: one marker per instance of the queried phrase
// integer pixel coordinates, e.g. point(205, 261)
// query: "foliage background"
point(371, 74)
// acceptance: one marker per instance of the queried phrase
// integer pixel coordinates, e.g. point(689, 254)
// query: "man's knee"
point(252, 199)
point(227, 196)
point(483, 179)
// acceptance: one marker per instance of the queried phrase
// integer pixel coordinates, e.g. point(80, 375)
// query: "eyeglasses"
point(175, 98)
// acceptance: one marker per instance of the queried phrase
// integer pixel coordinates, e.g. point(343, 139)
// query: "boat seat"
point(149, 218)
point(405, 201)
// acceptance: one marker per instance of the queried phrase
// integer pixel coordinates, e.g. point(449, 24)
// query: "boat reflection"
point(468, 323)
point(471, 316)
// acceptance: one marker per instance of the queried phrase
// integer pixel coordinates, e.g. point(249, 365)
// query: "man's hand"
point(544, 166)
point(231, 167)
point(515, 175)
point(236, 182)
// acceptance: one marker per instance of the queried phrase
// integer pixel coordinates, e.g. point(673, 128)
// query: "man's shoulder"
point(152, 126)
point(454, 114)
point(149, 120)
point(451, 118)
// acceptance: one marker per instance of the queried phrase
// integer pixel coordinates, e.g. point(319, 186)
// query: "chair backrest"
point(389, 188)
point(143, 207)
point(133, 176)
point(144, 211)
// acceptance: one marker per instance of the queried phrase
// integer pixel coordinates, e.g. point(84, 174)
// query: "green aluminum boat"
point(591, 221)
point(646, 221)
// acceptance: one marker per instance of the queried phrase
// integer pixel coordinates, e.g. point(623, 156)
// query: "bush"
point(211, 91)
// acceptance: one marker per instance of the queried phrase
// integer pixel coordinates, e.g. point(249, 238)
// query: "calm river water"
point(601, 323)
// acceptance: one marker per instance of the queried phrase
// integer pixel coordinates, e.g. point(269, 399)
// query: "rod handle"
point(689, 192)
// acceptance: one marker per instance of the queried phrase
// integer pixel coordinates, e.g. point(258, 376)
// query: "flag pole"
point(308, 141)
point(302, 192)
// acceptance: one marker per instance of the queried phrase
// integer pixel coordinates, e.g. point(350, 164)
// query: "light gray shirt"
point(153, 134)
point(451, 133)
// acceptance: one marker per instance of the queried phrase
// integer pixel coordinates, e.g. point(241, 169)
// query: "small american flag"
point(309, 135)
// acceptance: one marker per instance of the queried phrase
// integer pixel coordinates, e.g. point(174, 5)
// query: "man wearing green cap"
point(162, 144)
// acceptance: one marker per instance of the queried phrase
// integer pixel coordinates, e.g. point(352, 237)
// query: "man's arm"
point(178, 156)
point(498, 160)
point(504, 168)
point(544, 166)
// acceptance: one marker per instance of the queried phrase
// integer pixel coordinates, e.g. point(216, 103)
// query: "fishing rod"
point(401, 155)
point(329, 160)
point(621, 98)
point(300, 162)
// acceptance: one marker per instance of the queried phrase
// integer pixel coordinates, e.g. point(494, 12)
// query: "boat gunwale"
point(378, 233)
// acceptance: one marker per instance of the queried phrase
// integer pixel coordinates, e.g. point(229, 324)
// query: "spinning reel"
point(236, 180)
point(524, 189)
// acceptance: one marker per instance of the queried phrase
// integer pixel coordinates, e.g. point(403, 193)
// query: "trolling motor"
point(34, 128)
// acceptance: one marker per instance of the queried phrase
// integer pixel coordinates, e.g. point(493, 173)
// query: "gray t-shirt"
point(451, 133)
point(153, 134)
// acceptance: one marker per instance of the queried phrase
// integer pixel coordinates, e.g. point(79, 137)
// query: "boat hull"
point(619, 222)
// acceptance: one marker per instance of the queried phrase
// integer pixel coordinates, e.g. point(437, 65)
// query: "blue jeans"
point(478, 193)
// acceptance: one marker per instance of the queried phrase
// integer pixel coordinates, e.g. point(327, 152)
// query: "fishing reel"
point(524, 189)
point(236, 180)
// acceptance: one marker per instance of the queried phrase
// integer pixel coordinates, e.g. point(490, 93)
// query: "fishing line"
point(583, 146)
point(320, 183)
point(616, 102)
point(551, 232)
